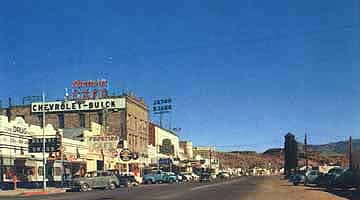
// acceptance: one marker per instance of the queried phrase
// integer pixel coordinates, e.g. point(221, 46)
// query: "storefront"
point(14, 137)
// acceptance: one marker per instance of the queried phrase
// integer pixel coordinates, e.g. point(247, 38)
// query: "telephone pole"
point(43, 143)
point(210, 159)
point(306, 153)
point(350, 153)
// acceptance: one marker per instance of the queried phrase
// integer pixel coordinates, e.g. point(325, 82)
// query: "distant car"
point(189, 176)
point(195, 177)
point(95, 180)
point(327, 179)
point(312, 177)
point(205, 178)
point(127, 180)
point(223, 175)
point(347, 178)
point(298, 178)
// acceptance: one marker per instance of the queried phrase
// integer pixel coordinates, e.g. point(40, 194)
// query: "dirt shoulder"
point(273, 188)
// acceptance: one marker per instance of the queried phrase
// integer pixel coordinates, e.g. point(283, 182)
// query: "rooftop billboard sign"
point(82, 105)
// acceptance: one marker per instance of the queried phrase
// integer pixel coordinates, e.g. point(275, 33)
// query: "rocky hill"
point(335, 147)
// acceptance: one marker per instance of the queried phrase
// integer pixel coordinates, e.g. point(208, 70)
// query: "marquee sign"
point(84, 105)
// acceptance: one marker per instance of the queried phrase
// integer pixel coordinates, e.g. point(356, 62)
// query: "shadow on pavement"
point(351, 194)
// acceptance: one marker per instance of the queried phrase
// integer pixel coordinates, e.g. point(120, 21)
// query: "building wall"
point(161, 134)
point(130, 123)
point(356, 160)
point(137, 125)
point(151, 138)
point(188, 148)
point(204, 152)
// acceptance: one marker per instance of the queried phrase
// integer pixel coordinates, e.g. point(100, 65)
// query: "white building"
point(166, 143)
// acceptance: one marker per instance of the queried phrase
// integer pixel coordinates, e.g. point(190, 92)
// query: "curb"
point(27, 194)
point(39, 193)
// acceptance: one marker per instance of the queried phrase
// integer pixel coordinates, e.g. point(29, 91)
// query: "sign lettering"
point(68, 106)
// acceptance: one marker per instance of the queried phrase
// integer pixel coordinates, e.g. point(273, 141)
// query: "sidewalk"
point(30, 192)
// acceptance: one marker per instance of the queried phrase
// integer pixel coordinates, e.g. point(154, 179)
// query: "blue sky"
point(241, 73)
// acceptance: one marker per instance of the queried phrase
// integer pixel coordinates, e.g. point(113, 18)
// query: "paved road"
point(244, 188)
point(228, 190)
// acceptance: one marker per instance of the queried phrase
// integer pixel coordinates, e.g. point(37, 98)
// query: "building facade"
point(125, 116)
point(165, 141)
point(187, 149)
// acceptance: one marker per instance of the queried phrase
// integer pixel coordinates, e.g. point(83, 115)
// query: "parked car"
point(223, 175)
point(205, 178)
point(312, 177)
point(347, 178)
point(195, 177)
point(100, 179)
point(326, 180)
point(189, 176)
point(159, 177)
point(171, 177)
point(127, 180)
point(298, 178)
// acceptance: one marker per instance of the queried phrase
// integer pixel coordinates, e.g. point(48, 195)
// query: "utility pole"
point(306, 153)
point(350, 153)
point(43, 145)
point(210, 160)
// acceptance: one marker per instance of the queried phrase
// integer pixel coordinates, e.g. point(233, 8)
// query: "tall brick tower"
point(291, 161)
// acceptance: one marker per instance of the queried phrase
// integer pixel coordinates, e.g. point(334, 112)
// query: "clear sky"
point(241, 73)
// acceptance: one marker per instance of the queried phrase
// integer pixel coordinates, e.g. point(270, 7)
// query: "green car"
point(100, 179)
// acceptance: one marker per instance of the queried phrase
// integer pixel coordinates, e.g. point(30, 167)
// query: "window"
point(57, 171)
point(61, 121)
point(40, 171)
point(100, 118)
point(82, 120)
point(40, 117)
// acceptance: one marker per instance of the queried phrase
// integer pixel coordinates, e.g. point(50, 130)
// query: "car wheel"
point(84, 187)
point(112, 186)
point(171, 181)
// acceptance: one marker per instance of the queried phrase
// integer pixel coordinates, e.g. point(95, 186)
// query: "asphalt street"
point(225, 190)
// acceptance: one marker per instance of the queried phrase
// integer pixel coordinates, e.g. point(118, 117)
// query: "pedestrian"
point(129, 186)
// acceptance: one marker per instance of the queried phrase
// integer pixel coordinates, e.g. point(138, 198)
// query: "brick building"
point(125, 116)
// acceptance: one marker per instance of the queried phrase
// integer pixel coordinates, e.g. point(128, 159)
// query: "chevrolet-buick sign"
point(68, 106)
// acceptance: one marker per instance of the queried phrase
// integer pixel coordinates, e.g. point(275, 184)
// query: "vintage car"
point(205, 177)
point(160, 177)
point(101, 179)
point(127, 180)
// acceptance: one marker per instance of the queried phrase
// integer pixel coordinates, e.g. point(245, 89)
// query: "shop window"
point(61, 121)
point(82, 120)
point(40, 171)
point(57, 171)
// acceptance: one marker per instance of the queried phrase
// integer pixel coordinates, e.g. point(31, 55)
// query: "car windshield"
point(180, 99)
